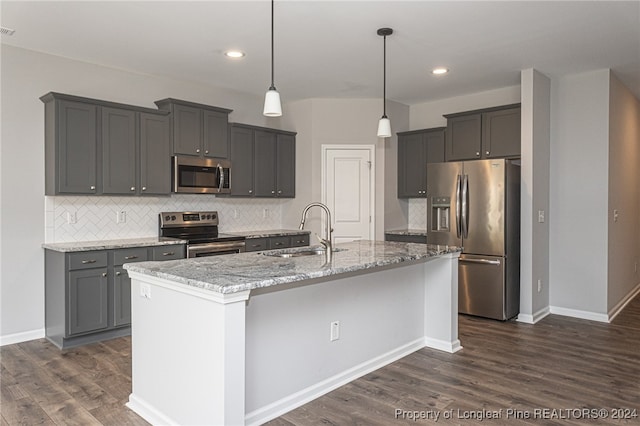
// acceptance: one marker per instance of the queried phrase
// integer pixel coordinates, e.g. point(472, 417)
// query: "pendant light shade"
point(272, 106)
point(384, 125)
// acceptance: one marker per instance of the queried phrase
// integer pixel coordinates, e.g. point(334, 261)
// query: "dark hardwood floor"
point(561, 365)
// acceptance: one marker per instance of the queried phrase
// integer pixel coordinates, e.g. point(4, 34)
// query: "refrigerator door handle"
point(483, 261)
point(458, 206)
point(465, 207)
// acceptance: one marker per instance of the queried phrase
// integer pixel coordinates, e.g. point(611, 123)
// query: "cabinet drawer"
point(300, 240)
point(87, 259)
point(279, 242)
point(121, 256)
point(256, 244)
point(168, 252)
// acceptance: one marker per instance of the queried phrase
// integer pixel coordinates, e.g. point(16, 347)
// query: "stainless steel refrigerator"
point(476, 205)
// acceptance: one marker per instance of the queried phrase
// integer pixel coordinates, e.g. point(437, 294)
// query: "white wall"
point(27, 75)
point(535, 144)
point(344, 121)
point(624, 194)
point(579, 174)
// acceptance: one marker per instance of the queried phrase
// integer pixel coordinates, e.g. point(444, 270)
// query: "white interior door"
point(348, 188)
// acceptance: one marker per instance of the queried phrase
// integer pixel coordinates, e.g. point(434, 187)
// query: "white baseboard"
point(532, 319)
point(25, 336)
point(576, 313)
point(148, 412)
point(443, 345)
point(624, 302)
point(284, 405)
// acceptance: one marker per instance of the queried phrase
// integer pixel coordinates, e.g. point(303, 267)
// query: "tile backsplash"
point(417, 213)
point(96, 217)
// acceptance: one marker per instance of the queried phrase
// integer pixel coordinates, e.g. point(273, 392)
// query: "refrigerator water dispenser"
point(441, 209)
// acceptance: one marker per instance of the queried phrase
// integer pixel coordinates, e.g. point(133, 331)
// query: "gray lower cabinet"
point(99, 147)
point(488, 133)
point(263, 162)
point(198, 130)
point(415, 150)
point(276, 242)
point(421, 239)
point(88, 293)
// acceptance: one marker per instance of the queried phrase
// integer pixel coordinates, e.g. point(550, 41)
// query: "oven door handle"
point(194, 249)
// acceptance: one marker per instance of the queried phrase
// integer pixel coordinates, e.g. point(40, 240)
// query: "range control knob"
point(167, 217)
point(173, 218)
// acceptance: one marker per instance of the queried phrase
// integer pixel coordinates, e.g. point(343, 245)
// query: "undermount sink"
point(299, 253)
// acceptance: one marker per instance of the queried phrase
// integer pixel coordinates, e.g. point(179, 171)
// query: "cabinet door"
point(501, 133)
point(241, 150)
point(411, 166)
point(118, 151)
point(286, 166)
point(87, 301)
point(265, 164)
point(464, 137)
point(121, 297)
point(155, 155)
point(187, 130)
point(76, 148)
point(435, 147)
point(216, 142)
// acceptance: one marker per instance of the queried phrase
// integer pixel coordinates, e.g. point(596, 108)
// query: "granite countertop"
point(112, 244)
point(269, 233)
point(247, 271)
point(417, 232)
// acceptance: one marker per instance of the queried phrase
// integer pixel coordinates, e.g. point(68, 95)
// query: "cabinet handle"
point(278, 244)
point(206, 151)
point(168, 253)
point(279, 192)
point(273, 192)
point(92, 187)
point(85, 262)
point(130, 257)
point(198, 151)
point(133, 188)
point(118, 273)
point(477, 153)
point(144, 188)
point(104, 274)
point(487, 152)
point(251, 191)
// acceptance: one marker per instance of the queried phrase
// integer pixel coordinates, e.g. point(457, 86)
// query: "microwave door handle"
point(221, 181)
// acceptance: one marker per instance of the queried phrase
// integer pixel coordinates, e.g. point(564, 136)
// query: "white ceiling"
point(330, 49)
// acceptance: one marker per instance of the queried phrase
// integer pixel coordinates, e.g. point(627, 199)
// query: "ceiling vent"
point(6, 31)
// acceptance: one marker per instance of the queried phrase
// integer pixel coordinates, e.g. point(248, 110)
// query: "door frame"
point(372, 178)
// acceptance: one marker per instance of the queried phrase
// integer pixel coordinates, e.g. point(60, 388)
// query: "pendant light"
point(384, 125)
point(272, 107)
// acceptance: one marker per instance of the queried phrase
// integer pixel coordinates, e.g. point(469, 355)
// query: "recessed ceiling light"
point(439, 71)
point(234, 54)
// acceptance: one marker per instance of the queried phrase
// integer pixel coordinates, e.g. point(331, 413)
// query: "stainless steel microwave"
point(200, 175)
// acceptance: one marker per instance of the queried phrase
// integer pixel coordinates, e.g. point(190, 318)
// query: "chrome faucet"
point(326, 242)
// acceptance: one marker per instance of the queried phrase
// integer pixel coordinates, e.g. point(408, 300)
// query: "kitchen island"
point(241, 339)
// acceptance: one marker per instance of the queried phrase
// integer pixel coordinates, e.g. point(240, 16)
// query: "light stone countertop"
point(268, 233)
point(112, 244)
point(247, 271)
point(416, 232)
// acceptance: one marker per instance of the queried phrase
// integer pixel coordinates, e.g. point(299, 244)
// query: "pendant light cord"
point(384, 78)
point(272, 56)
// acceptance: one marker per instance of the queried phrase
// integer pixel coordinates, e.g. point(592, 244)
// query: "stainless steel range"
point(201, 230)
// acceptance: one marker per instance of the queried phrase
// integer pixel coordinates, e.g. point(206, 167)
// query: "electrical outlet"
point(539, 286)
point(71, 218)
point(265, 213)
point(235, 213)
point(335, 330)
point(615, 215)
point(540, 216)
point(121, 216)
point(635, 267)
point(145, 291)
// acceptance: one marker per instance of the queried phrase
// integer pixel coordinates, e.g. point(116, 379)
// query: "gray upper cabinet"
point(488, 133)
point(155, 154)
point(119, 157)
point(241, 155)
point(263, 162)
point(198, 130)
point(99, 147)
point(70, 146)
point(415, 150)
